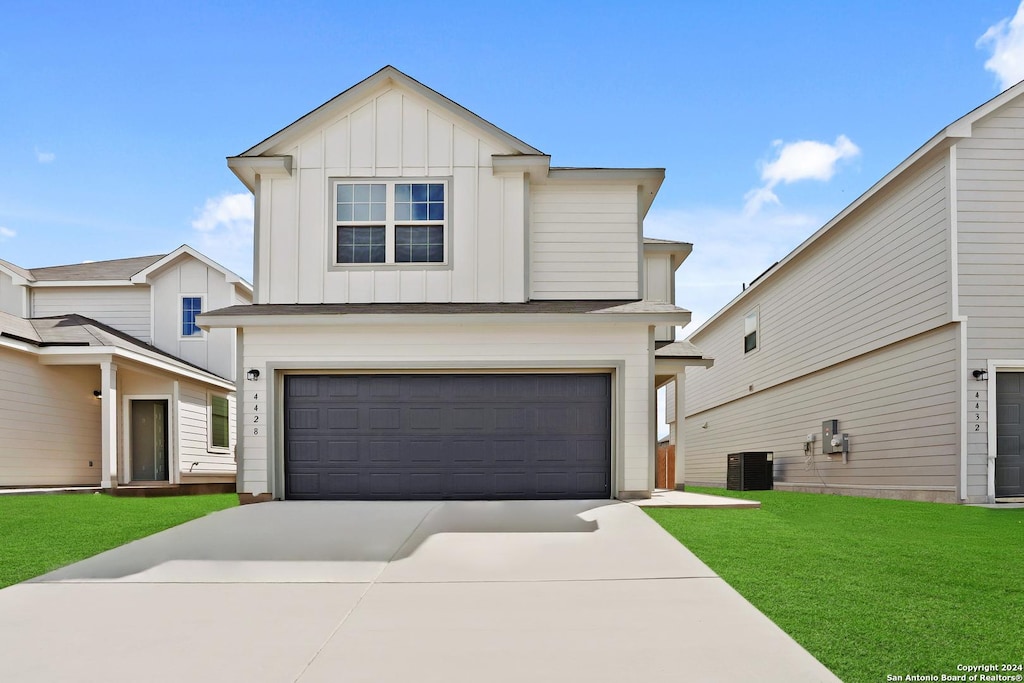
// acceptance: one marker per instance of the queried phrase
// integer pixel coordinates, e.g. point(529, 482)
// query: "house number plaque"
point(255, 426)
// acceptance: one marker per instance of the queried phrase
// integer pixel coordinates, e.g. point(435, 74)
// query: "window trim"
point(756, 313)
point(389, 224)
point(181, 316)
point(210, 447)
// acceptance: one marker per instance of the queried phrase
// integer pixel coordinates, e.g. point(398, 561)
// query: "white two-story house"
point(440, 313)
point(107, 379)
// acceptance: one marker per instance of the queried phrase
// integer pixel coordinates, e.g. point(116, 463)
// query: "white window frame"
point(181, 316)
point(755, 312)
point(389, 224)
point(209, 423)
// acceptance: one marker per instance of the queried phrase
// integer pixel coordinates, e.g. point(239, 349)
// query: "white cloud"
point(1005, 39)
point(44, 157)
point(730, 249)
point(224, 226)
point(795, 161)
point(7, 233)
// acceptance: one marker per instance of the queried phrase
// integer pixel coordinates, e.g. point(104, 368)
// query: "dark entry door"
point(149, 440)
point(1009, 434)
point(438, 437)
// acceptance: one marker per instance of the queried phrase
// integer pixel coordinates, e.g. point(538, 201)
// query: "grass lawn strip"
point(40, 533)
point(871, 587)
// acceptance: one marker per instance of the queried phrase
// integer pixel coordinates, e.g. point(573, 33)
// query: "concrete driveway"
point(453, 591)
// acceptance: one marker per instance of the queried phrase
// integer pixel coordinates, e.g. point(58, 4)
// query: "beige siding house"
point(440, 313)
point(902, 319)
point(108, 381)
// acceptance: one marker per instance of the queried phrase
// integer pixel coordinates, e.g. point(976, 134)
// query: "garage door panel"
point(343, 451)
point(487, 436)
point(303, 418)
point(342, 418)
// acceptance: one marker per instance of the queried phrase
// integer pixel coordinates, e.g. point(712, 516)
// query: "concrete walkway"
point(455, 591)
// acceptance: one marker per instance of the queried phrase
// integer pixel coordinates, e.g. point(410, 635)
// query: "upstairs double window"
point(391, 222)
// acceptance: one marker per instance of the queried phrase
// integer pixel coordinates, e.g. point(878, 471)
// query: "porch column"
point(108, 426)
point(680, 388)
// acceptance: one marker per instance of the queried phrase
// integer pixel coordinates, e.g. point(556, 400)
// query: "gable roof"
point(115, 269)
point(360, 90)
point(136, 270)
point(184, 250)
point(959, 129)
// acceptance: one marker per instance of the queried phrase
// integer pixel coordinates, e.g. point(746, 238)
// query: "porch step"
point(158, 490)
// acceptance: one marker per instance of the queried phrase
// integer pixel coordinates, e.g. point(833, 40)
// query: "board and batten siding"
point(881, 276)
point(483, 348)
point(990, 216)
point(124, 308)
point(392, 135)
point(584, 241)
point(214, 350)
point(50, 422)
point(196, 457)
point(899, 405)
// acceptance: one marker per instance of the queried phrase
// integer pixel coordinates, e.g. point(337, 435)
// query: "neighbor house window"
point(750, 324)
point(191, 306)
point(390, 222)
point(219, 432)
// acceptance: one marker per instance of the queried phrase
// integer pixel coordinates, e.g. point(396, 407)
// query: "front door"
point(1009, 434)
point(149, 440)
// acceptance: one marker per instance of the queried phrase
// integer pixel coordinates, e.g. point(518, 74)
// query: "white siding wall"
point(370, 348)
point(899, 405)
point(214, 350)
point(392, 135)
point(880, 277)
point(194, 434)
point(123, 308)
point(584, 242)
point(12, 296)
point(49, 422)
point(990, 204)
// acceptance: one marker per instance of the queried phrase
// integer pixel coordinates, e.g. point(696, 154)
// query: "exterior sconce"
point(252, 375)
point(980, 374)
point(97, 393)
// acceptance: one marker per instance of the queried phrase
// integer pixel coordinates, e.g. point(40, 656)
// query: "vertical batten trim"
point(326, 224)
point(476, 218)
point(373, 140)
point(502, 228)
point(297, 233)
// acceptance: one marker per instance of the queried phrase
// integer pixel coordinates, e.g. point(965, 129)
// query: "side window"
point(219, 431)
point(191, 306)
point(750, 329)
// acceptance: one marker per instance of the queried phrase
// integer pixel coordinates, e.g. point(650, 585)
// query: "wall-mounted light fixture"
point(252, 375)
point(704, 426)
point(980, 374)
point(97, 393)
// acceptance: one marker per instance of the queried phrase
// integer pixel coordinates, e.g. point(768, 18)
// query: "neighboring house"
point(107, 379)
point(902, 318)
point(439, 313)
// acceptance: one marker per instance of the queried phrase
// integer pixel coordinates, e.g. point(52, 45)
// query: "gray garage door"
point(440, 437)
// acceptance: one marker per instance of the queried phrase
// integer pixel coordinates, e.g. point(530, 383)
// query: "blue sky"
point(115, 118)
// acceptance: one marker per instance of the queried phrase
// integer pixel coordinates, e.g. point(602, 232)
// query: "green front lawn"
point(871, 587)
point(40, 533)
